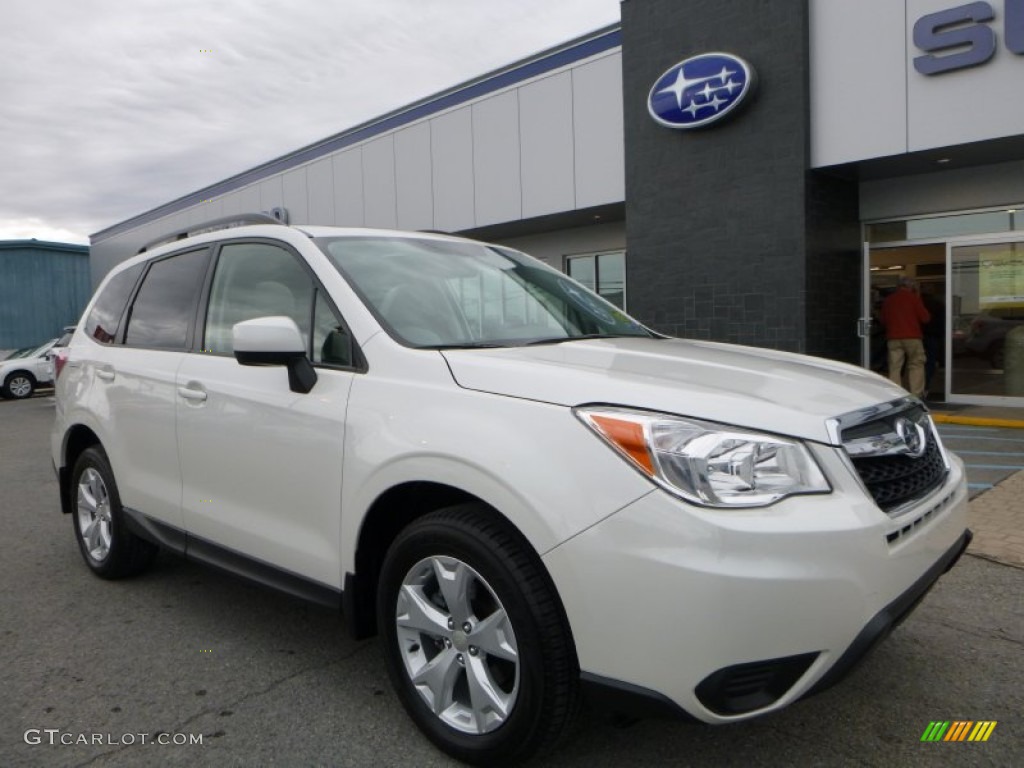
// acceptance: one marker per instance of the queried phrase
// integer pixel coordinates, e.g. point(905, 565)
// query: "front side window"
point(165, 304)
point(441, 293)
point(105, 316)
point(256, 280)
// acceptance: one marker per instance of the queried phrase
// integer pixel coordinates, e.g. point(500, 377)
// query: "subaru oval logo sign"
point(700, 90)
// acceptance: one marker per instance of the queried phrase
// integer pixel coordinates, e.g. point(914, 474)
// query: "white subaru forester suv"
point(530, 496)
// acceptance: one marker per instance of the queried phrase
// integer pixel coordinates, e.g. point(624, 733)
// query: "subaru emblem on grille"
point(913, 436)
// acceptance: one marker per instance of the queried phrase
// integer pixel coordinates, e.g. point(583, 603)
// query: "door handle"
point(195, 395)
point(864, 326)
point(106, 373)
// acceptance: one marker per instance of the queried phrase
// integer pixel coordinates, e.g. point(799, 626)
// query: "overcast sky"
point(111, 107)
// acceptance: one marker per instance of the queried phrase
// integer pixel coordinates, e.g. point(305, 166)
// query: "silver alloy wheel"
point(457, 644)
point(94, 514)
point(20, 386)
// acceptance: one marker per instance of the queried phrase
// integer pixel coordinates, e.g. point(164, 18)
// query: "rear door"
point(261, 465)
point(133, 373)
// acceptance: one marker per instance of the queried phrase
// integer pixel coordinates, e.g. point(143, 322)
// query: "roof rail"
point(227, 222)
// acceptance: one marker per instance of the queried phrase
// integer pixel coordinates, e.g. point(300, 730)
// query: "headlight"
point(708, 464)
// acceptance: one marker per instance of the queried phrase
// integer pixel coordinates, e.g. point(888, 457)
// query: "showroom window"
point(603, 273)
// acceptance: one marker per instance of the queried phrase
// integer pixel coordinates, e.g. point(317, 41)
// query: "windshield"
point(439, 293)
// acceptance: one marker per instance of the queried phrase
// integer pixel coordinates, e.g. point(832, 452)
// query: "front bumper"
point(730, 614)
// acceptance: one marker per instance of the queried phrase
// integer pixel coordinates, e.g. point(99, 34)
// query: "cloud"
point(112, 108)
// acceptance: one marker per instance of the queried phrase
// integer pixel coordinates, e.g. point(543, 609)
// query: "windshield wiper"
point(583, 337)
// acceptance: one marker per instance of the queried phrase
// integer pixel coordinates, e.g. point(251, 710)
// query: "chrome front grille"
point(896, 453)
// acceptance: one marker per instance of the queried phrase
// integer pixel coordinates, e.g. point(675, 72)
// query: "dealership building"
point(757, 173)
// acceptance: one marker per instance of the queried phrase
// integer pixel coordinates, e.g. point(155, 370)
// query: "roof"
point(43, 245)
point(580, 48)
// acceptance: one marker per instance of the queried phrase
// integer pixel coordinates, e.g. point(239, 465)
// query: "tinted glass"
point(103, 320)
point(256, 280)
point(165, 303)
point(446, 293)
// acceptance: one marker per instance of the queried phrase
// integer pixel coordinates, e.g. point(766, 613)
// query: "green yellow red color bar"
point(958, 730)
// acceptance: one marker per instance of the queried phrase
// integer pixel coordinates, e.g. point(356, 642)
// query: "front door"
point(261, 465)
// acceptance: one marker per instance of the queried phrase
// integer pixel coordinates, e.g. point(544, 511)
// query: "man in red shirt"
point(903, 314)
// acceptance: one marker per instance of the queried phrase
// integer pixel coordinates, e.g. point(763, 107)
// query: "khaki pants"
point(911, 351)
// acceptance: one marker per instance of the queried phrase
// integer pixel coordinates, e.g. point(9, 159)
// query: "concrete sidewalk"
point(997, 519)
point(997, 515)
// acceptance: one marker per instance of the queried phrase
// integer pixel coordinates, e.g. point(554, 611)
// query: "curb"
point(976, 421)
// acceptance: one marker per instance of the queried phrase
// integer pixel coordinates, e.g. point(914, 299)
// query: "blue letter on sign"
point(946, 29)
point(1013, 25)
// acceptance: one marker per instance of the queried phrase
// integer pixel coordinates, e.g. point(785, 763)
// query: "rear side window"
point(165, 304)
point(103, 320)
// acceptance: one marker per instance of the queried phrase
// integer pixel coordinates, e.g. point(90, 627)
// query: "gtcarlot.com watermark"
point(55, 737)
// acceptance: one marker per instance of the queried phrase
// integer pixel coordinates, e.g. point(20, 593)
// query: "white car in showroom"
point(529, 495)
point(21, 375)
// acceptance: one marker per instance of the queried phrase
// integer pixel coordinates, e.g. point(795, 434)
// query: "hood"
point(762, 389)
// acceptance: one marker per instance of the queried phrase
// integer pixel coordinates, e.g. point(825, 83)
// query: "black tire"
point(547, 682)
point(18, 385)
point(125, 554)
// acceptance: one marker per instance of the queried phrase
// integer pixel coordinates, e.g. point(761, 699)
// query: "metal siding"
point(349, 210)
point(245, 200)
point(296, 197)
point(546, 137)
point(497, 183)
point(451, 137)
point(413, 177)
point(597, 131)
point(42, 291)
point(271, 193)
point(858, 80)
point(320, 191)
point(379, 183)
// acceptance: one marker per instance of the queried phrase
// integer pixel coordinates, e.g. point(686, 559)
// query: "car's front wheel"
point(476, 642)
point(18, 386)
point(109, 548)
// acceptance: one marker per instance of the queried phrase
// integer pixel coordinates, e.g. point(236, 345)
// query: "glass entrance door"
point(986, 300)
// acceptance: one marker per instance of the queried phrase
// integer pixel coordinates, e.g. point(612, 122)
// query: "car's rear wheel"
point(19, 385)
point(476, 642)
point(108, 547)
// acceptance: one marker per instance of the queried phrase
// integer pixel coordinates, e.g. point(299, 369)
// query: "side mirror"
point(274, 341)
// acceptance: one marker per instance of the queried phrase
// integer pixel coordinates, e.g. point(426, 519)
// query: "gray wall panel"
point(959, 189)
point(414, 186)
point(320, 190)
point(496, 174)
point(349, 210)
point(271, 193)
point(546, 137)
point(379, 183)
point(597, 130)
point(858, 80)
point(244, 200)
point(296, 196)
point(968, 105)
point(451, 150)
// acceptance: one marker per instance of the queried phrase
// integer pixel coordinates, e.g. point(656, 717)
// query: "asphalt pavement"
point(187, 653)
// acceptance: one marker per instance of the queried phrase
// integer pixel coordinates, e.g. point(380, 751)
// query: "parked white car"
point(20, 376)
point(527, 493)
